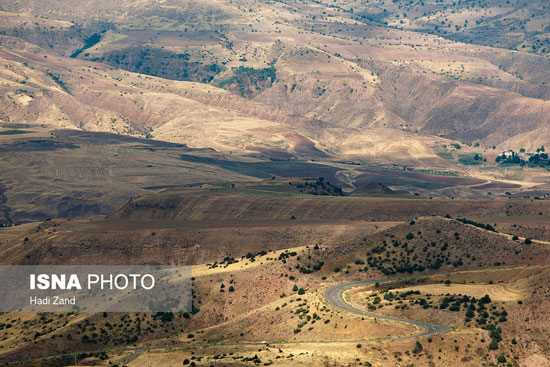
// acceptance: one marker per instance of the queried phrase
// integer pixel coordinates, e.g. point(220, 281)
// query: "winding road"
point(335, 297)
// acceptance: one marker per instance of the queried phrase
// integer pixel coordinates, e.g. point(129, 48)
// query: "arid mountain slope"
point(233, 305)
point(349, 68)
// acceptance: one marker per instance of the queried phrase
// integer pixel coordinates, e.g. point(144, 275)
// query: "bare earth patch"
point(498, 292)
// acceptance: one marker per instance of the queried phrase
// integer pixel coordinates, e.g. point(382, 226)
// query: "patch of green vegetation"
point(477, 224)
point(318, 187)
point(445, 155)
point(249, 81)
point(381, 258)
point(224, 263)
point(485, 317)
point(162, 63)
point(13, 132)
point(436, 172)
point(470, 159)
point(57, 79)
point(538, 159)
point(88, 42)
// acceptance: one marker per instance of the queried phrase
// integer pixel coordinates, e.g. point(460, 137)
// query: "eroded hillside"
point(355, 69)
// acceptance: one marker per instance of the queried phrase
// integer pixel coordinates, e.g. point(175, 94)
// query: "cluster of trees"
point(248, 82)
point(514, 159)
point(478, 309)
point(405, 257)
point(540, 158)
point(319, 187)
point(477, 224)
point(225, 262)
point(308, 269)
point(162, 63)
point(285, 255)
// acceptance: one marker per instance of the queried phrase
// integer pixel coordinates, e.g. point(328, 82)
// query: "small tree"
point(417, 348)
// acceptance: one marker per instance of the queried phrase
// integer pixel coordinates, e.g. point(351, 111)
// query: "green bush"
point(418, 348)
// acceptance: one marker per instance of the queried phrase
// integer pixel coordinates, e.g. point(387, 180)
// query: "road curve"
point(334, 296)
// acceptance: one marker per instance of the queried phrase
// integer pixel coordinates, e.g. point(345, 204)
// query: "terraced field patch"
point(505, 292)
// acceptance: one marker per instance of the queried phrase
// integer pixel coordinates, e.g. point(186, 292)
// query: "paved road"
point(334, 296)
